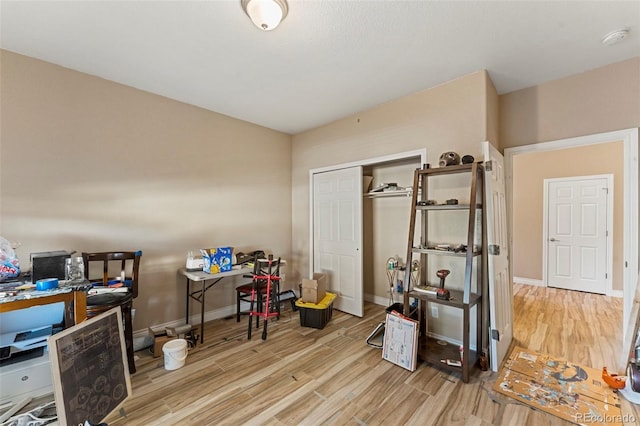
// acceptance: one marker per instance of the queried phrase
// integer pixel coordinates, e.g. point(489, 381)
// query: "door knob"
point(553, 239)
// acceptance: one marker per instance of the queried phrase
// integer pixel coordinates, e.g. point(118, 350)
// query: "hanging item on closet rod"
point(392, 266)
point(415, 274)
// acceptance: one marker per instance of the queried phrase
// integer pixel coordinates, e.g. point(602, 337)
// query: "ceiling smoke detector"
point(615, 36)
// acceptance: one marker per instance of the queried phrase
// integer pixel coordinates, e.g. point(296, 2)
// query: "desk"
point(67, 295)
point(203, 277)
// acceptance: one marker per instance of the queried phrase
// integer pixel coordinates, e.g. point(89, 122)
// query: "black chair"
point(115, 270)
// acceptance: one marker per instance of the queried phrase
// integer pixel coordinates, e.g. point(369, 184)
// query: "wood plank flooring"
point(580, 327)
point(305, 376)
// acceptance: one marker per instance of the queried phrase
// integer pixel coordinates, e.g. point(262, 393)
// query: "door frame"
point(609, 219)
point(422, 153)
point(629, 137)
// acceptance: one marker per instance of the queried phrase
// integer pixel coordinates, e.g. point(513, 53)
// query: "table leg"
point(202, 314)
point(188, 297)
point(79, 307)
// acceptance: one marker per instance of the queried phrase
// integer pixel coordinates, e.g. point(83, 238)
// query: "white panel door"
point(577, 234)
point(500, 289)
point(337, 235)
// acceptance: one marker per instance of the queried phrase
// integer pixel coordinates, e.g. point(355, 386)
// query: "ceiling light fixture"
point(615, 36)
point(265, 14)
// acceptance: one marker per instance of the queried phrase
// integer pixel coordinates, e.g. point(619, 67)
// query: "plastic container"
point(399, 308)
point(175, 354)
point(316, 315)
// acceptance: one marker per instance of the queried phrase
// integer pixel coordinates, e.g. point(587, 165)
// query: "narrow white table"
point(203, 277)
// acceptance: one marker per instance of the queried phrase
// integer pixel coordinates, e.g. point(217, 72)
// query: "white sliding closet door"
point(337, 235)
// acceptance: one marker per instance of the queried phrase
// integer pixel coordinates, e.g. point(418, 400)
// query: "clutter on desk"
point(47, 284)
point(74, 269)
point(217, 259)
point(49, 264)
point(194, 263)
point(10, 292)
point(247, 259)
point(103, 289)
point(9, 264)
point(10, 289)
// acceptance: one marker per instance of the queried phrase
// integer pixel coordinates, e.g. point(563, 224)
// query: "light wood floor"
point(330, 376)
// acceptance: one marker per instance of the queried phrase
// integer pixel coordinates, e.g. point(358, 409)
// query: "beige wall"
point(91, 165)
point(597, 101)
point(529, 172)
point(88, 164)
point(492, 113)
point(601, 100)
point(449, 117)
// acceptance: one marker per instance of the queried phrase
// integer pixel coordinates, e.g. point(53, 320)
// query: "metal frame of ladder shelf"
point(437, 351)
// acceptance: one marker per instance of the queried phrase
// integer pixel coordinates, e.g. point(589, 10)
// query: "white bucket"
point(175, 353)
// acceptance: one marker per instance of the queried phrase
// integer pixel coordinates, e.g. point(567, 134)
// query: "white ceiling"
point(328, 59)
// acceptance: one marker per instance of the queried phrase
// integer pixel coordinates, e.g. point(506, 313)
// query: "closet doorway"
point(343, 269)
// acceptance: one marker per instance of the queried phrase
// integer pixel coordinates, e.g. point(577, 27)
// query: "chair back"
point(262, 266)
point(117, 269)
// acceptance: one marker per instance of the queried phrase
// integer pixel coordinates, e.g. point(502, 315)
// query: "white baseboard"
point(195, 319)
point(529, 281)
point(231, 310)
point(382, 301)
point(540, 283)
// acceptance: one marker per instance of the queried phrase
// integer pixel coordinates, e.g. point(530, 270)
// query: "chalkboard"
point(89, 368)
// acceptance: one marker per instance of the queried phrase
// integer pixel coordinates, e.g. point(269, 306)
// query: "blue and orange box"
point(217, 259)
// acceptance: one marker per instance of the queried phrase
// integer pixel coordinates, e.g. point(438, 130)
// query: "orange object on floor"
point(613, 380)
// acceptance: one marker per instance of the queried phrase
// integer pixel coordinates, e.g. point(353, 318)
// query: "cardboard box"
point(159, 339)
point(217, 259)
point(314, 290)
